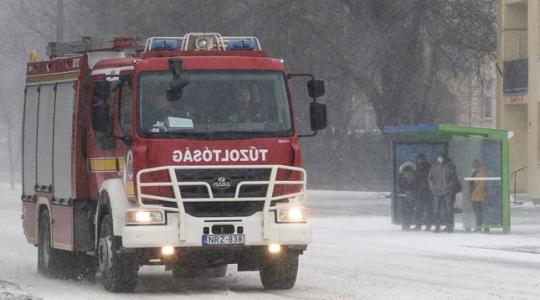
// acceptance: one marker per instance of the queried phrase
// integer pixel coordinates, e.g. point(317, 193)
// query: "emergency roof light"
point(164, 43)
point(242, 44)
point(203, 41)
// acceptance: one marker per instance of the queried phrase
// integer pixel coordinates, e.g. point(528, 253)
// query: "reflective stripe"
point(121, 163)
point(107, 164)
point(53, 77)
point(130, 189)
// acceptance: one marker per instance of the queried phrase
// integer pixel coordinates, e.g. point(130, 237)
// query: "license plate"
point(223, 239)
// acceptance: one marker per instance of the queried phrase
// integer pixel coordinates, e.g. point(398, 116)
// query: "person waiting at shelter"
point(478, 193)
point(442, 182)
point(422, 193)
point(406, 183)
point(456, 188)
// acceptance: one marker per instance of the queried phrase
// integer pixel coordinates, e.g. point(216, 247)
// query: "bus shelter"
point(464, 146)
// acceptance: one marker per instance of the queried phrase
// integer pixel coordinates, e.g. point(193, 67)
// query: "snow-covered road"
point(356, 254)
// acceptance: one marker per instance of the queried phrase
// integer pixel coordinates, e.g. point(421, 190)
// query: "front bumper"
point(149, 236)
point(185, 230)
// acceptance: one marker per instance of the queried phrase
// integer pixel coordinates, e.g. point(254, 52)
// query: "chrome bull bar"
point(271, 183)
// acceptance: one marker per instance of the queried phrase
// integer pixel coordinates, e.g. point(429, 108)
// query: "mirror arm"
point(291, 75)
point(308, 135)
point(126, 139)
point(119, 76)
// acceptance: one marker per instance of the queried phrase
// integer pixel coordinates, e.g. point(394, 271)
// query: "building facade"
point(518, 95)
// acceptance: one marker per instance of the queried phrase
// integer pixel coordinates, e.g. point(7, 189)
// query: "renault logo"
point(221, 183)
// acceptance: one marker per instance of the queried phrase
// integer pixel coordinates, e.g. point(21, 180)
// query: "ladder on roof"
point(88, 44)
point(189, 42)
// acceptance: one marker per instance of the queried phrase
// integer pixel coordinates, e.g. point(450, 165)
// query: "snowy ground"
point(356, 254)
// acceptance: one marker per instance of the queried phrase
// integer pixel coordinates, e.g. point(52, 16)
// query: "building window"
point(516, 76)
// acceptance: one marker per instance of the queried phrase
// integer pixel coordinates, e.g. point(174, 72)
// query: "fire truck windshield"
point(215, 105)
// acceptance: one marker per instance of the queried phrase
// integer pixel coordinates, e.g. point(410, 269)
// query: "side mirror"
point(315, 88)
point(127, 139)
point(317, 114)
point(177, 84)
point(102, 90)
point(176, 91)
point(100, 106)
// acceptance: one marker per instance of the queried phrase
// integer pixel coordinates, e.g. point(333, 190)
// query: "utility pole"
point(59, 20)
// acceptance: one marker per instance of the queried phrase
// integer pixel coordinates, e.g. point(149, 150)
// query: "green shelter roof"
point(446, 130)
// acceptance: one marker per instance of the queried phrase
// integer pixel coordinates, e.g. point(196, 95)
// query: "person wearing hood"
point(406, 183)
point(423, 197)
point(442, 181)
point(478, 193)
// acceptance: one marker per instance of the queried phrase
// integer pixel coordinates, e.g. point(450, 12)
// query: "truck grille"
point(223, 209)
point(234, 175)
point(219, 191)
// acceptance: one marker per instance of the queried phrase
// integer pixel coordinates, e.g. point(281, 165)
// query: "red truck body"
point(72, 167)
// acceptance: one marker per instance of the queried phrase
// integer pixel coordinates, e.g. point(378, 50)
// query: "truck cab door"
point(123, 132)
point(101, 143)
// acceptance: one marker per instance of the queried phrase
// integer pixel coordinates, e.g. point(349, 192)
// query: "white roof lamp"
point(204, 43)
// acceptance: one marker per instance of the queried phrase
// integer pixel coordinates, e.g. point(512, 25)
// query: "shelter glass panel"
point(479, 167)
point(407, 152)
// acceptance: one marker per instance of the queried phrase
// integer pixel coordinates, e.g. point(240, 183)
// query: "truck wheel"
point(118, 271)
point(46, 254)
point(278, 273)
point(192, 272)
point(58, 263)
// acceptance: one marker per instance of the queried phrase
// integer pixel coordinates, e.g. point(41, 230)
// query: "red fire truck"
point(183, 153)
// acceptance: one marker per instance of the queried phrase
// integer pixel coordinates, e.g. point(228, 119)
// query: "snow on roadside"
point(11, 291)
point(356, 254)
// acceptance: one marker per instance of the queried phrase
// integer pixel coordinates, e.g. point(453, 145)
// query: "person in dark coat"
point(442, 184)
point(423, 197)
point(406, 183)
point(456, 188)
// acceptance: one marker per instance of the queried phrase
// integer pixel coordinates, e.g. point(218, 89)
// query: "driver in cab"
point(248, 109)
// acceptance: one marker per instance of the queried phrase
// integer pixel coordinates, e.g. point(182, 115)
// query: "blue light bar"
point(247, 44)
point(162, 44)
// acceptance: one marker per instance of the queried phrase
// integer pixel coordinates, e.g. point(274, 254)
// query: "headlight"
point(143, 217)
point(291, 214)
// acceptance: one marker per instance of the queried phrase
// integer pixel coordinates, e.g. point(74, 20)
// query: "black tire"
point(46, 254)
point(181, 271)
point(279, 272)
point(118, 271)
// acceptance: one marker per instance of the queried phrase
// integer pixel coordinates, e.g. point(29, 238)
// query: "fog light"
point(291, 214)
point(142, 217)
point(167, 250)
point(295, 214)
point(274, 248)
